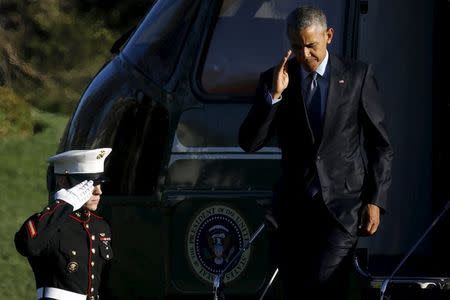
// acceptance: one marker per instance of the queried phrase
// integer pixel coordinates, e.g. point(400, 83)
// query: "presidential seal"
point(214, 236)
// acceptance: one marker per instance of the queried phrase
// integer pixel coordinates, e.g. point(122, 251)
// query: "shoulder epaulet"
point(48, 210)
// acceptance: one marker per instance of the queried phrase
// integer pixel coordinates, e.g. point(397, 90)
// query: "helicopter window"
point(249, 37)
point(155, 46)
point(141, 134)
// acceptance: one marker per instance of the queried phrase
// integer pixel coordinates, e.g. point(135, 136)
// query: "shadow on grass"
point(39, 126)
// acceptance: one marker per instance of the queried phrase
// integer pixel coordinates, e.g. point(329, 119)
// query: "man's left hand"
point(370, 219)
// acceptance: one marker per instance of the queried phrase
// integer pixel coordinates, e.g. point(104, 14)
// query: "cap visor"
point(101, 180)
point(97, 178)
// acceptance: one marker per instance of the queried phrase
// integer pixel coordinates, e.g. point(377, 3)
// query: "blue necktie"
point(314, 106)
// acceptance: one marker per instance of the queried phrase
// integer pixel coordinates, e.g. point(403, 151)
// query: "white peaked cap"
point(80, 161)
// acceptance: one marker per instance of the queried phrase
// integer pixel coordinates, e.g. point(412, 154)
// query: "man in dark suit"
point(336, 156)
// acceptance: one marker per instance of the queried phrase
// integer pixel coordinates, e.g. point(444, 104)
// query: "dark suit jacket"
point(353, 160)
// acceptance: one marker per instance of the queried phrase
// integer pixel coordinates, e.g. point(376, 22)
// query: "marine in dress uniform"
point(67, 244)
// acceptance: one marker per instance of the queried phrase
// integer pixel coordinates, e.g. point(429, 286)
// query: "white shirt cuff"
point(271, 100)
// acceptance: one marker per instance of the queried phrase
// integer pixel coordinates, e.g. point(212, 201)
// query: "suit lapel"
point(335, 92)
point(295, 86)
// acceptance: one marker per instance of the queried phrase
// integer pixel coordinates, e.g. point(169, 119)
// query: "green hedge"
point(15, 114)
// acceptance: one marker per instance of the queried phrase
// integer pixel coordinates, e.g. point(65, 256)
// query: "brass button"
point(93, 250)
point(87, 225)
point(92, 276)
point(92, 289)
point(93, 237)
point(92, 263)
point(107, 255)
point(74, 252)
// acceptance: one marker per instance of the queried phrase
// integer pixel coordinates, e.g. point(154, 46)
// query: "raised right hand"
point(280, 77)
point(78, 195)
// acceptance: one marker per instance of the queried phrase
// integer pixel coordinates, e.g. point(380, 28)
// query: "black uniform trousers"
point(314, 251)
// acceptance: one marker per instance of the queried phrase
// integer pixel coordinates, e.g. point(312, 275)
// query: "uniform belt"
point(59, 294)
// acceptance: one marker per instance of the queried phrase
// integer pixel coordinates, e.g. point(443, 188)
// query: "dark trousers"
point(314, 251)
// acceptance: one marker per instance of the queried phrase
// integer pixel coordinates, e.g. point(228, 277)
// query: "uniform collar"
point(83, 214)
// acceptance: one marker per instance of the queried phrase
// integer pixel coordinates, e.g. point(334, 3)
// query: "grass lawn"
point(23, 166)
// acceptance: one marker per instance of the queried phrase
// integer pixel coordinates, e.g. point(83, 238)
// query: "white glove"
point(78, 195)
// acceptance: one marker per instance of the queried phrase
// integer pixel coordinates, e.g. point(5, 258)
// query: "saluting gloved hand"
point(78, 195)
